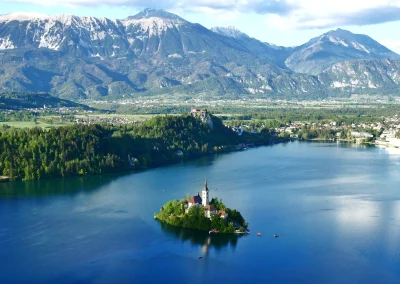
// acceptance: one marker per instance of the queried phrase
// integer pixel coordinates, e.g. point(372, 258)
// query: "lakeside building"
point(361, 134)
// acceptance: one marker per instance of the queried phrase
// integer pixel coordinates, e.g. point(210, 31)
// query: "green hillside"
point(16, 101)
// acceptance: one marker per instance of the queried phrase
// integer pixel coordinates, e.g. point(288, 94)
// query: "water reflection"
point(200, 238)
point(74, 185)
point(203, 161)
point(357, 213)
point(56, 186)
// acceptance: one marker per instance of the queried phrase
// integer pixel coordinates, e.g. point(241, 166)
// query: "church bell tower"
point(204, 195)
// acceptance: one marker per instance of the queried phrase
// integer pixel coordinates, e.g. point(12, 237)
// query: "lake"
point(335, 206)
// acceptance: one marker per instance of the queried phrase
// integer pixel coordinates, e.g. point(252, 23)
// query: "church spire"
point(204, 195)
point(205, 185)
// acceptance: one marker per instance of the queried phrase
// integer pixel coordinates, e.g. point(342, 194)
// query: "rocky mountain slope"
point(86, 57)
point(156, 52)
point(336, 46)
point(371, 76)
point(276, 54)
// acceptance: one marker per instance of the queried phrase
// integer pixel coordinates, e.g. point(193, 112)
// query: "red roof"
point(210, 207)
point(195, 200)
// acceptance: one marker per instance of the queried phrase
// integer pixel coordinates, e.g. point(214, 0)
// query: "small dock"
point(238, 232)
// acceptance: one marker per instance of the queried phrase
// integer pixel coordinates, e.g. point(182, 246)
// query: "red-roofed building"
point(222, 214)
point(195, 200)
point(203, 201)
point(209, 210)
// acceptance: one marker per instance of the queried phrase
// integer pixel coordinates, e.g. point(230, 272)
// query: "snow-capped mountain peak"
point(336, 46)
point(348, 44)
point(21, 16)
point(90, 57)
point(229, 31)
point(57, 32)
point(154, 22)
point(153, 25)
point(154, 13)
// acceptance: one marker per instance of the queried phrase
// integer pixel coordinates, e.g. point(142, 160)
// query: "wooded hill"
point(95, 149)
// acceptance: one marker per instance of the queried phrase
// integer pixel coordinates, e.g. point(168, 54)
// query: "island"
point(200, 213)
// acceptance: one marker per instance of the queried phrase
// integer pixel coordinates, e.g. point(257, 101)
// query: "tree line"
point(36, 153)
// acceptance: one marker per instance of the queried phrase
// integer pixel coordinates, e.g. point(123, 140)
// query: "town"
point(383, 130)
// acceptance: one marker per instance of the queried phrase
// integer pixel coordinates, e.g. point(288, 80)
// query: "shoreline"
point(5, 179)
point(200, 213)
point(210, 232)
point(227, 150)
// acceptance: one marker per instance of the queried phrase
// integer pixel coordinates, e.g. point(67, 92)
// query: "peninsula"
point(78, 150)
point(198, 212)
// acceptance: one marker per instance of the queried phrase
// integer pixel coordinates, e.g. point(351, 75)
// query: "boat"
point(259, 234)
point(276, 235)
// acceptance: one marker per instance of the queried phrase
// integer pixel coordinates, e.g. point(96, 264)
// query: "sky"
point(281, 22)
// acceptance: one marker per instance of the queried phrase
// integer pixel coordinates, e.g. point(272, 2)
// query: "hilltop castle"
point(203, 115)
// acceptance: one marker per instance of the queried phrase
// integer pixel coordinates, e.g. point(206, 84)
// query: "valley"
point(109, 111)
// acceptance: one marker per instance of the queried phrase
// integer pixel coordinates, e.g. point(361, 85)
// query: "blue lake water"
point(335, 206)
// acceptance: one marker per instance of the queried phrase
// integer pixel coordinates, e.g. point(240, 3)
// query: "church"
point(203, 201)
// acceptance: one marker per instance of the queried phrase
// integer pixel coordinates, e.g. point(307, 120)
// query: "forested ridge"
point(94, 149)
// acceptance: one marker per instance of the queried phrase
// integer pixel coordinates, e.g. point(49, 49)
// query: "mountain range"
point(156, 52)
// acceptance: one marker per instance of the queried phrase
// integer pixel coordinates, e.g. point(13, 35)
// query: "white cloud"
point(323, 14)
point(218, 15)
point(227, 17)
point(280, 13)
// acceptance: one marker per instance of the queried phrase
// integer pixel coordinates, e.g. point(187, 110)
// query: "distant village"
point(50, 110)
point(388, 127)
point(114, 120)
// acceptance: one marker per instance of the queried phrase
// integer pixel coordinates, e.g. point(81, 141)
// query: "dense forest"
point(94, 149)
point(18, 116)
